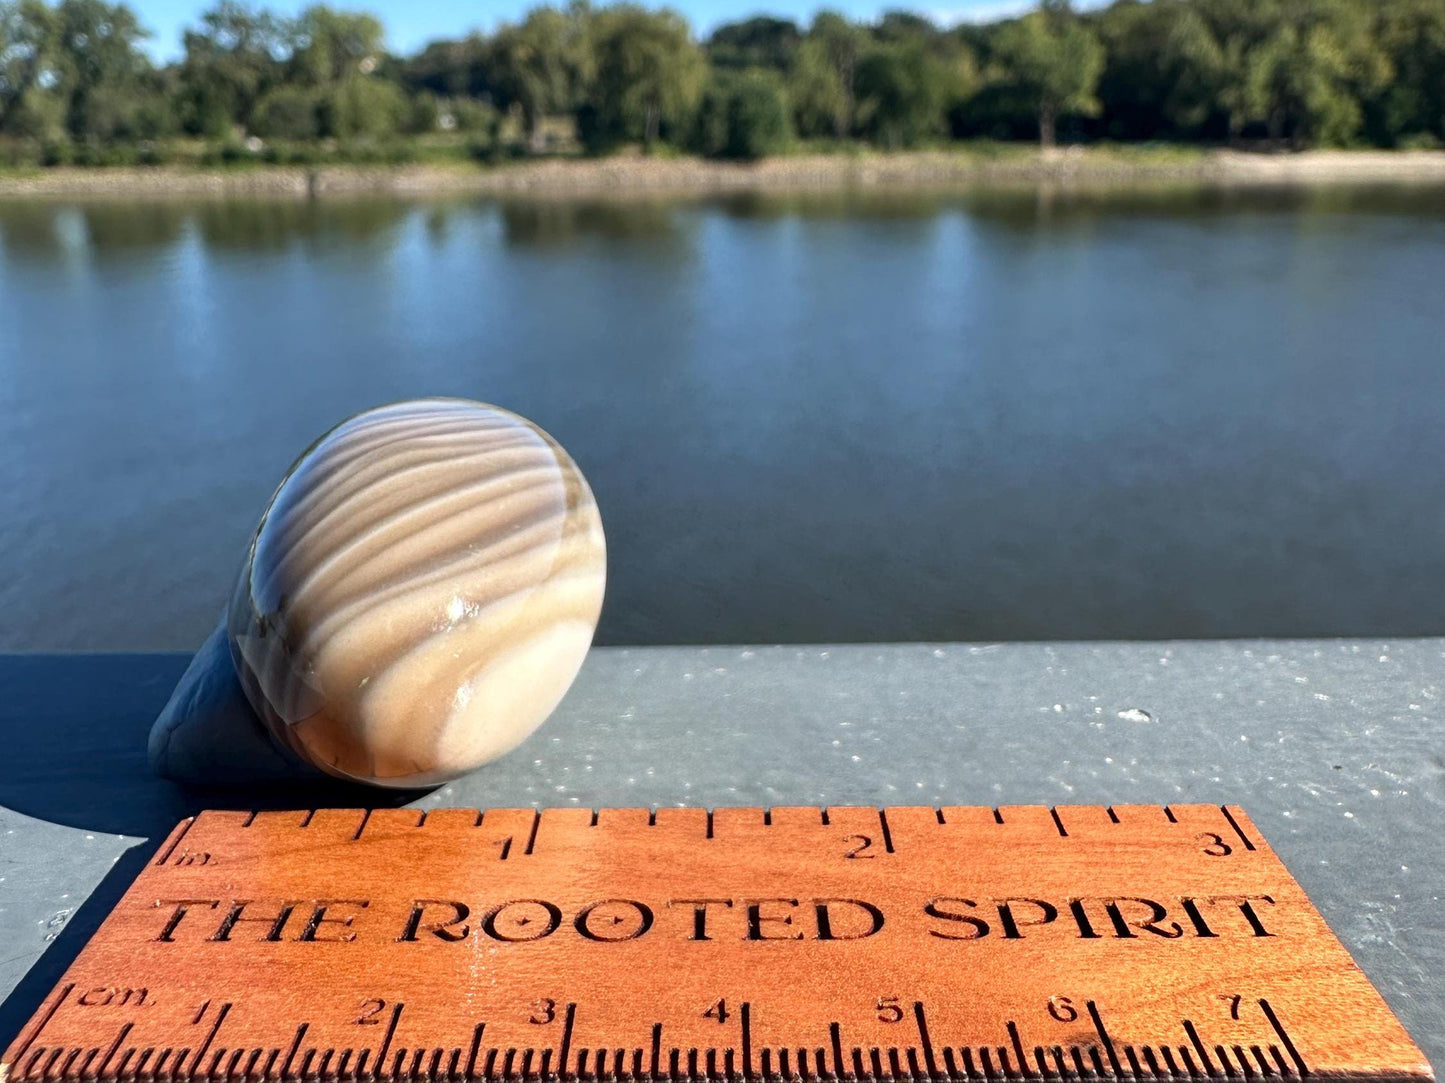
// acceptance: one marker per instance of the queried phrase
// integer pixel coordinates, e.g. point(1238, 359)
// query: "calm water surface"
point(981, 416)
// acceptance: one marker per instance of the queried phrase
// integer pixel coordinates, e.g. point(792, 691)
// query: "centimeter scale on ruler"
point(1022, 943)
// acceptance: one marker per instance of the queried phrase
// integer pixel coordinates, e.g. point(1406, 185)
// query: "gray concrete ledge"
point(1336, 749)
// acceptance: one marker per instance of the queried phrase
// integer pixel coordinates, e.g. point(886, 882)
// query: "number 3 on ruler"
point(1214, 845)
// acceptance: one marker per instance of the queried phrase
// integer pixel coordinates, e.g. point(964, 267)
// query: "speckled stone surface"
point(1336, 749)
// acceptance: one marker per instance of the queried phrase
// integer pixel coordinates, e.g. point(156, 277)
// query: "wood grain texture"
point(420, 592)
point(739, 945)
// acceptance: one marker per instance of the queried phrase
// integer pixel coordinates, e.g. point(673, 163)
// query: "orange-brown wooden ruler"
point(1020, 943)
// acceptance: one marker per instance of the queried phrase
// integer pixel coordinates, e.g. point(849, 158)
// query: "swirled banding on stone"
point(421, 591)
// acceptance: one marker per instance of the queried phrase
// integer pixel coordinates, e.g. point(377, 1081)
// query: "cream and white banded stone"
point(420, 592)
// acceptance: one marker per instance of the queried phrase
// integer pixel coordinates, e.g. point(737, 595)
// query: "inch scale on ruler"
point(734, 946)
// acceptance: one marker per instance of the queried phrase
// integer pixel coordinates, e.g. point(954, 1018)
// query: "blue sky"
point(410, 24)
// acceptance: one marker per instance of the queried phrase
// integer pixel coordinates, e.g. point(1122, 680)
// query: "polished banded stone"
point(420, 592)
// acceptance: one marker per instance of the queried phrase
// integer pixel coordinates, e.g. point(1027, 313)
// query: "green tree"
point(760, 42)
point(361, 107)
point(97, 71)
point(231, 60)
point(823, 80)
point(1054, 59)
point(27, 39)
point(1200, 76)
point(542, 65)
point(649, 74)
point(290, 113)
point(742, 115)
point(1412, 104)
point(330, 46)
point(1163, 70)
point(1306, 80)
point(902, 91)
point(899, 27)
point(449, 69)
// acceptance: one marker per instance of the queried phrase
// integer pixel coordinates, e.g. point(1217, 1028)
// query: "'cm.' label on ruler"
point(732, 946)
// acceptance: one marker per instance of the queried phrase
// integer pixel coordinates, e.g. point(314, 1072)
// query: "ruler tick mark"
point(1284, 1069)
point(114, 1048)
point(379, 1066)
point(924, 1038)
point(747, 1028)
point(1194, 1038)
point(1248, 843)
point(562, 1066)
point(166, 856)
point(1108, 1042)
point(1013, 1033)
point(532, 836)
point(887, 835)
point(66, 1063)
point(1239, 1055)
point(44, 1021)
point(1058, 823)
point(1258, 1055)
point(215, 1027)
point(1190, 1067)
point(1284, 1038)
point(477, 1033)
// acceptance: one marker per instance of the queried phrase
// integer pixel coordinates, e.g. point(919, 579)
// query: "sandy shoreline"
point(632, 175)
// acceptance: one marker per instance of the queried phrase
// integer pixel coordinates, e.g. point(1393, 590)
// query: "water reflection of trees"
point(27, 230)
point(1028, 207)
point(843, 203)
point(41, 230)
point(45, 230)
point(124, 226)
point(557, 221)
point(274, 225)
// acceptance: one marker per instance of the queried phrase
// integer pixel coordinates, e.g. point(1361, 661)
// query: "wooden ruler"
point(733, 946)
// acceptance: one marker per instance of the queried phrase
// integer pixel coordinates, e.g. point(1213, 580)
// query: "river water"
point(989, 415)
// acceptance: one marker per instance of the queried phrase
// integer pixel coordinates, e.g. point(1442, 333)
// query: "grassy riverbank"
point(993, 164)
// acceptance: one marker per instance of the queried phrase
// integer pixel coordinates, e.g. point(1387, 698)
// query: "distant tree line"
point(75, 84)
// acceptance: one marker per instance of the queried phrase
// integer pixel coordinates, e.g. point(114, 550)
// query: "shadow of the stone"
point(73, 731)
point(73, 751)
